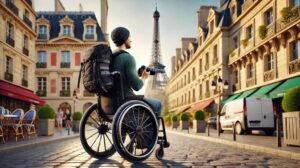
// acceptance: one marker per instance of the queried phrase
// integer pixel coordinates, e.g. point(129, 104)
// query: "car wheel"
point(238, 128)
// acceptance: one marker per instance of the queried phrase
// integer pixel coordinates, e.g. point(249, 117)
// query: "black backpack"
point(97, 70)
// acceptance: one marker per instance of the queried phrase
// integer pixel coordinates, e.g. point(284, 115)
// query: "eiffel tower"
point(157, 83)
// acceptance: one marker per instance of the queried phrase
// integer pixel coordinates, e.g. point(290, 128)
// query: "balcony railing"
point(27, 21)
point(41, 93)
point(41, 64)
point(42, 36)
point(294, 66)
point(24, 83)
point(285, 21)
point(10, 41)
point(88, 94)
point(65, 93)
point(65, 64)
point(8, 76)
point(10, 5)
point(250, 82)
point(29, 2)
point(89, 36)
point(25, 51)
point(269, 75)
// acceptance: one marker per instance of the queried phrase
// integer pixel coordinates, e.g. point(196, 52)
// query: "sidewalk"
point(59, 134)
point(255, 142)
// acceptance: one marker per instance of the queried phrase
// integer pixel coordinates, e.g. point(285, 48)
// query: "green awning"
point(246, 94)
point(230, 98)
point(263, 91)
point(280, 90)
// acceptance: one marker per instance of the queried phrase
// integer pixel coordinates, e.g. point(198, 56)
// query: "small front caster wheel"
point(159, 153)
point(166, 144)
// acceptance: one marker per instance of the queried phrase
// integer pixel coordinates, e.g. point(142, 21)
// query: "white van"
point(248, 114)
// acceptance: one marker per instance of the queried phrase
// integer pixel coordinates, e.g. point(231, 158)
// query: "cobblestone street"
point(184, 152)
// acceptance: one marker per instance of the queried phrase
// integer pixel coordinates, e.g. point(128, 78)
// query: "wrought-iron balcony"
point(89, 37)
point(65, 93)
point(41, 64)
point(88, 94)
point(8, 76)
point(294, 66)
point(25, 51)
point(24, 83)
point(10, 5)
point(10, 41)
point(42, 36)
point(27, 21)
point(269, 75)
point(29, 2)
point(65, 64)
point(41, 93)
point(287, 20)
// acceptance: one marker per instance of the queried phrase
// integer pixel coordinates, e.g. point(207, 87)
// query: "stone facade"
point(249, 44)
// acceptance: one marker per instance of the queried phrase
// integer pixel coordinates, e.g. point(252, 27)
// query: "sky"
point(177, 20)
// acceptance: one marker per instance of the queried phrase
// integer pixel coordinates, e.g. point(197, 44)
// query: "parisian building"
point(253, 45)
point(63, 38)
point(17, 55)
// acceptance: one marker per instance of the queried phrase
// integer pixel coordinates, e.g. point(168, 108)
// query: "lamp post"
point(219, 86)
point(74, 98)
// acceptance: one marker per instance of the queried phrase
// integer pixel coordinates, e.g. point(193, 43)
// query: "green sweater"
point(125, 64)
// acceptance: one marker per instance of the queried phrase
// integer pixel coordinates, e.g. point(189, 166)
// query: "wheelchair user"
point(126, 65)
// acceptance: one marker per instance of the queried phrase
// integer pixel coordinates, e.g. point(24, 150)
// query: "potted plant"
point(262, 31)
point(291, 117)
point(288, 13)
point(245, 42)
point(184, 121)
point(174, 121)
point(231, 52)
point(76, 121)
point(199, 121)
point(46, 121)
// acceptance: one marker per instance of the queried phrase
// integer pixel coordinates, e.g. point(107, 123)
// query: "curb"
point(275, 152)
point(24, 146)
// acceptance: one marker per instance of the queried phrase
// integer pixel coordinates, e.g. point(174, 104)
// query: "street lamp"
point(219, 86)
point(74, 98)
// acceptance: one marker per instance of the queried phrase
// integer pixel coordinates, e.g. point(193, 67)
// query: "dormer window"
point(67, 30)
point(42, 32)
point(90, 29)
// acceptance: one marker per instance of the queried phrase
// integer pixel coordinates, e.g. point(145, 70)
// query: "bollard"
point(207, 129)
point(278, 130)
point(234, 133)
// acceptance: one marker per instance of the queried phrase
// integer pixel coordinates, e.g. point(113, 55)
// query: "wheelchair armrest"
point(136, 97)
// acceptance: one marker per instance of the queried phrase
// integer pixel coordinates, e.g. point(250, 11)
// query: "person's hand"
point(145, 74)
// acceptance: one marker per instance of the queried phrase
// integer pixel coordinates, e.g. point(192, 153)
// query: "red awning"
point(17, 92)
point(182, 109)
point(200, 106)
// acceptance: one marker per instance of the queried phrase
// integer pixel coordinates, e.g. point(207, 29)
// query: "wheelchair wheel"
point(95, 134)
point(135, 131)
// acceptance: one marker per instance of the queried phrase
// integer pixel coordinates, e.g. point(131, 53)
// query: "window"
point(43, 29)
point(42, 56)
point(194, 95)
point(42, 83)
point(269, 62)
point(8, 67)
point(200, 91)
point(236, 76)
point(189, 77)
point(207, 86)
point(194, 74)
point(200, 66)
point(294, 50)
point(250, 70)
point(215, 54)
point(67, 30)
point(211, 26)
point(235, 42)
point(249, 32)
point(184, 79)
point(90, 30)
point(65, 83)
point(25, 42)
point(26, 13)
point(24, 72)
point(9, 30)
point(269, 16)
point(207, 59)
point(294, 3)
point(65, 57)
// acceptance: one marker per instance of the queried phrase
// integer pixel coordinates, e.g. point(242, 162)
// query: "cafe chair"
point(2, 111)
point(28, 122)
point(16, 123)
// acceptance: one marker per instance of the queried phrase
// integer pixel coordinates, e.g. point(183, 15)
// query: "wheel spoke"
point(95, 120)
point(143, 118)
point(141, 146)
point(138, 120)
point(104, 142)
point(128, 126)
point(147, 125)
point(95, 141)
point(148, 136)
point(135, 122)
point(145, 121)
point(92, 135)
point(109, 140)
point(131, 140)
point(99, 143)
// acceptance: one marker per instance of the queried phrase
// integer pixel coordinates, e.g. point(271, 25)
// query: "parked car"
point(248, 114)
point(212, 121)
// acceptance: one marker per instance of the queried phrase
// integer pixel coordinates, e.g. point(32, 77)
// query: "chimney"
point(103, 15)
point(59, 7)
point(173, 62)
point(202, 15)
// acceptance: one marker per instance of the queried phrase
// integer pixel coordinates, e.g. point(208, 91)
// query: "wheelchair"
point(131, 129)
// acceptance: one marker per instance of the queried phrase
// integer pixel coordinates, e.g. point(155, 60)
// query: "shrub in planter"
point(291, 119)
point(245, 42)
point(199, 121)
point(76, 121)
point(184, 121)
point(288, 13)
point(262, 31)
point(46, 122)
point(175, 122)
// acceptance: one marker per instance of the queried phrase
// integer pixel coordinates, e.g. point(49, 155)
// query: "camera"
point(143, 67)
